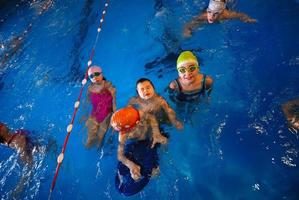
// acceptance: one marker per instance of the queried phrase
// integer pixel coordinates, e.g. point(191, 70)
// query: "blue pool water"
point(237, 146)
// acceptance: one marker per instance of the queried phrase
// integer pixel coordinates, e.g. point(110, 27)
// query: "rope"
point(77, 103)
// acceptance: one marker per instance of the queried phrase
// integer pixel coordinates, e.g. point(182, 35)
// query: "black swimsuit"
point(189, 96)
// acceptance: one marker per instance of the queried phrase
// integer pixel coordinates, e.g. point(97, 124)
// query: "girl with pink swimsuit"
point(102, 97)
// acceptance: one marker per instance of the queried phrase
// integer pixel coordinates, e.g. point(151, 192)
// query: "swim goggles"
point(96, 74)
point(190, 69)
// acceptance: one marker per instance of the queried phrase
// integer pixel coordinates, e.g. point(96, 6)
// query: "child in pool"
point(17, 140)
point(149, 101)
point(291, 112)
point(190, 85)
point(216, 11)
point(102, 97)
point(136, 126)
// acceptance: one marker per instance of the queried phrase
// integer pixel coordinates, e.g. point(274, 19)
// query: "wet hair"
point(141, 80)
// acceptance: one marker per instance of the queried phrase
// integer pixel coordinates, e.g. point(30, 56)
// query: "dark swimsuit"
point(29, 144)
point(141, 153)
point(18, 132)
point(188, 96)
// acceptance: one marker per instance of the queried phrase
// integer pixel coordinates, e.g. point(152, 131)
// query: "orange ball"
point(125, 119)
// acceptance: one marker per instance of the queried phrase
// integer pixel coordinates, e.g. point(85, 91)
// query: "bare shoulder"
point(230, 13)
point(108, 84)
point(159, 97)
point(110, 87)
point(209, 80)
point(161, 100)
point(133, 100)
point(90, 87)
point(202, 16)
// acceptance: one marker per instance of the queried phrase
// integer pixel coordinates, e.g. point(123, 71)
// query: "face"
point(212, 16)
point(188, 72)
point(96, 77)
point(145, 90)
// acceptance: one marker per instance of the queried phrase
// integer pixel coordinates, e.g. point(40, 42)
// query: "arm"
point(195, 23)
point(132, 101)
point(241, 16)
point(134, 168)
point(209, 85)
point(157, 137)
point(171, 114)
point(112, 91)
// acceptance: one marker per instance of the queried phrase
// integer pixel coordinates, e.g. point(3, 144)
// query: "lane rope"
point(77, 103)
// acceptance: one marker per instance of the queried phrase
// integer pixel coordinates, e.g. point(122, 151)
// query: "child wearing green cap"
point(190, 85)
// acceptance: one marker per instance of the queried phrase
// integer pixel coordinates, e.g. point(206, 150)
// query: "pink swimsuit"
point(101, 104)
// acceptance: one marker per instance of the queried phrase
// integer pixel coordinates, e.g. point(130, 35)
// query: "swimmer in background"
point(14, 45)
point(136, 127)
point(149, 101)
point(216, 11)
point(101, 94)
point(19, 141)
point(291, 112)
point(26, 146)
point(190, 85)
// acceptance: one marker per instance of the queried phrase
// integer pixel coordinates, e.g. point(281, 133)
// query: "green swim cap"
point(186, 56)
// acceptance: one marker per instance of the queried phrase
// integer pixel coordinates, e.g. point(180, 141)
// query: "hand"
point(250, 20)
point(158, 139)
point(179, 125)
point(135, 171)
point(187, 33)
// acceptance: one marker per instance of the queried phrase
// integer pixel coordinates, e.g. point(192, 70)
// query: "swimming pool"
point(236, 147)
